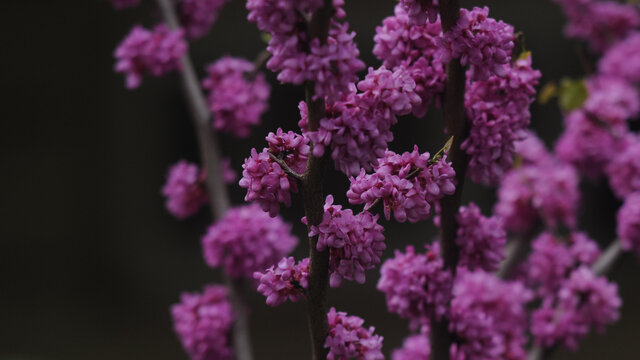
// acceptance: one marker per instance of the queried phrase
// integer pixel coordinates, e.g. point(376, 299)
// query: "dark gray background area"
point(89, 259)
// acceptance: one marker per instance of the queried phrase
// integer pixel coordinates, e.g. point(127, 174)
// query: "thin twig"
point(602, 266)
point(217, 189)
point(289, 171)
point(259, 62)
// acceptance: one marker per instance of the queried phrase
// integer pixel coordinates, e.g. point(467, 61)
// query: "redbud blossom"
point(203, 323)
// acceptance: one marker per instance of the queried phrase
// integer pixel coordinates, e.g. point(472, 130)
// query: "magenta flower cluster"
point(235, 100)
point(622, 60)
point(197, 16)
point(629, 223)
point(416, 285)
point(358, 127)
point(552, 259)
point(498, 109)
point(612, 101)
point(355, 242)
point(415, 347)
point(287, 280)
point(599, 23)
point(247, 240)
point(419, 11)
point(583, 302)
point(266, 181)
point(481, 239)
point(348, 339)
point(402, 44)
point(156, 52)
point(543, 190)
point(330, 65)
point(489, 317)
point(623, 171)
point(480, 42)
point(203, 323)
point(185, 190)
point(408, 184)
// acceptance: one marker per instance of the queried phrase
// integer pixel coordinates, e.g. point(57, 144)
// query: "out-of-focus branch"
point(217, 189)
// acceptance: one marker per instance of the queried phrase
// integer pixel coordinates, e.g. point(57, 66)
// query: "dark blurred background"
point(89, 259)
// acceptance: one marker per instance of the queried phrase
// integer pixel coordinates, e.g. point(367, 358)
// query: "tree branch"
point(289, 171)
point(458, 127)
point(216, 186)
point(317, 305)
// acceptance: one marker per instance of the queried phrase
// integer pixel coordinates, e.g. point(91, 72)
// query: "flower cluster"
point(123, 4)
point(407, 183)
point(330, 64)
point(498, 109)
point(583, 301)
point(358, 127)
point(623, 170)
point(246, 240)
point(544, 191)
point(266, 181)
point(481, 239)
point(185, 189)
point(156, 52)
point(355, 242)
point(416, 285)
point(553, 258)
point(419, 11)
point(629, 223)
point(399, 43)
point(415, 347)
point(286, 280)
point(623, 59)
point(612, 101)
point(489, 317)
point(203, 322)
point(347, 338)
point(197, 16)
point(480, 42)
point(586, 144)
point(235, 101)
point(600, 23)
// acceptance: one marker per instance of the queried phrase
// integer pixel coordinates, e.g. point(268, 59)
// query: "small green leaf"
point(524, 55)
point(572, 94)
point(548, 92)
point(266, 37)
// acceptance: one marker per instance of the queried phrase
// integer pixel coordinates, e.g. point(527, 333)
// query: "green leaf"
point(572, 94)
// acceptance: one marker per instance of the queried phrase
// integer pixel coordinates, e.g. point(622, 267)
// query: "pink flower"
point(347, 338)
point(408, 184)
point(203, 323)
point(624, 169)
point(286, 280)
point(156, 52)
point(197, 16)
point(480, 42)
point(415, 347)
point(247, 240)
point(416, 285)
point(265, 180)
point(355, 242)
point(420, 11)
point(235, 101)
point(185, 189)
point(629, 223)
point(623, 59)
point(584, 301)
point(481, 239)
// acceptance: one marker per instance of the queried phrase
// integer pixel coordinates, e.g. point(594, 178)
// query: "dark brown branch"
point(314, 205)
point(458, 127)
point(216, 186)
